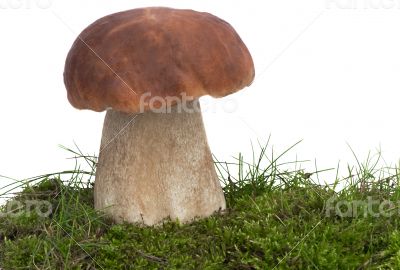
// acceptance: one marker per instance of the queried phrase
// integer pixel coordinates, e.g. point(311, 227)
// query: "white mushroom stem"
point(156, 166)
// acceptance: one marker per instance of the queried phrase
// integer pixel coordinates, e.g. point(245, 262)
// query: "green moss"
point(281, 224)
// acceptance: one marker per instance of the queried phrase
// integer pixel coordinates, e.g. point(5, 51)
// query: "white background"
point(328, 72)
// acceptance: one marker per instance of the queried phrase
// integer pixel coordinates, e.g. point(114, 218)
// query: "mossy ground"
point(275, 220)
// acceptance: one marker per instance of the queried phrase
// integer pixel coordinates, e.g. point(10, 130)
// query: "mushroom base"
point(153, 166)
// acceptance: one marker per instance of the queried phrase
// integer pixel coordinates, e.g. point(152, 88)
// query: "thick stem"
point(158, 166)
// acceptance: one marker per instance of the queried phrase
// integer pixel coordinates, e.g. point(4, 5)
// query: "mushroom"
point(148, 67)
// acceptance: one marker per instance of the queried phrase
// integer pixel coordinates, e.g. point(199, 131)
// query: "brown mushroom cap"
point(160, 52)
